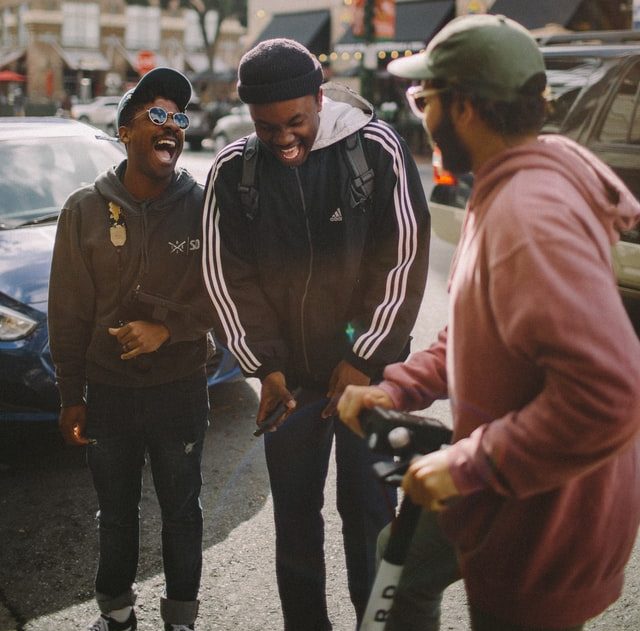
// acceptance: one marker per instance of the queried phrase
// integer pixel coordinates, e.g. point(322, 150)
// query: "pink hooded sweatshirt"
point(542, 367)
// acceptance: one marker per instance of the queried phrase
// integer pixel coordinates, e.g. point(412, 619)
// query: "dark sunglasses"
point(159, 116)
point(419, 98)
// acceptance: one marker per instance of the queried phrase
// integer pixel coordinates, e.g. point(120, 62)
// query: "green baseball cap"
point(490, 55)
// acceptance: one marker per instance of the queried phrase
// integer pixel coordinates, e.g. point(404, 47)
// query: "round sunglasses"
point(159, 116)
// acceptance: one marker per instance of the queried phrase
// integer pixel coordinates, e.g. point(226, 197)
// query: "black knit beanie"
point(278, 70)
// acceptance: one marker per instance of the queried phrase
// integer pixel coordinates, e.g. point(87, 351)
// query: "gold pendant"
point(117, 230)
point(118, 235)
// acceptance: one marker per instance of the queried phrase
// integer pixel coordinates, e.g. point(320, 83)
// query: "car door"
point(616, 140)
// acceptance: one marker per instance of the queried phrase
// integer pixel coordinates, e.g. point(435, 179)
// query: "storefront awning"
point(416, 24)
point(538, 14)
point(8, 57)
point(85, 59)
point(310, 28)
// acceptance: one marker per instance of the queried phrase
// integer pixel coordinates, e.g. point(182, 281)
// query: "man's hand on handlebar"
point(428, 481)
point(355, 398)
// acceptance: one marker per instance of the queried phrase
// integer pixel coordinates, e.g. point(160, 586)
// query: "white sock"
point(120, 615)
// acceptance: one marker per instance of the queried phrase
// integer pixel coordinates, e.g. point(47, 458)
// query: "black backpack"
point(360, 189)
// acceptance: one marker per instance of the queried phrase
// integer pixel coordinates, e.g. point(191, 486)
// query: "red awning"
point(9, 75)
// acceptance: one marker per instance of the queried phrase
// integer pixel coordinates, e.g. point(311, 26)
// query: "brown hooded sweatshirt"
point(542, 367)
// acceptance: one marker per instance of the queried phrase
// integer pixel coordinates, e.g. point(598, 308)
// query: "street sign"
point(146, 61)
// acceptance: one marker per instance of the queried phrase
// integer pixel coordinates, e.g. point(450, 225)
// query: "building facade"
point(88, 48)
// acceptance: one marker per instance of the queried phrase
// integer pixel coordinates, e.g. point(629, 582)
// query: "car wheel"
point(111, 129)
point(219, 142)
point(84, 119)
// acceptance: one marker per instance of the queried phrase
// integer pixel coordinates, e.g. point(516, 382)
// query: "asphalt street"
point(48, 539)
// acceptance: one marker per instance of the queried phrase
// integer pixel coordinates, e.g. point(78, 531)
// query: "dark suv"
point(595, 87)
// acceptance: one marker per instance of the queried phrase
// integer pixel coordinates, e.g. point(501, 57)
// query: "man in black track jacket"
point(128, 318)
point(313, 290)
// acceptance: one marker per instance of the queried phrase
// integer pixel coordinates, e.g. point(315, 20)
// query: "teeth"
point(290, 153)
point(167, 142)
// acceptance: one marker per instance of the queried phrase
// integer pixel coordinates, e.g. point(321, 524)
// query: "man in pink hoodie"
point(540, 492)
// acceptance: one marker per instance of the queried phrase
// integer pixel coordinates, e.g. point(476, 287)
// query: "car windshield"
point(37, 176)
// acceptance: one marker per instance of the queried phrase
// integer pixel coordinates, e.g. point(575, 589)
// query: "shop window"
point(80, 25)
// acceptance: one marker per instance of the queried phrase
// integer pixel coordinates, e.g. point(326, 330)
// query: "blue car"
point(42, 160)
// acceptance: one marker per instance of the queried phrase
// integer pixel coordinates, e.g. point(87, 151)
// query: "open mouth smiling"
point(165, 148)
point(290, 154)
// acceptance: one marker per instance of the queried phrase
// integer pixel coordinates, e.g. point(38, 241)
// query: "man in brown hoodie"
point(540, 493)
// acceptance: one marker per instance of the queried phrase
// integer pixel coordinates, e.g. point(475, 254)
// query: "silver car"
point(101, 113)
point(236, 124)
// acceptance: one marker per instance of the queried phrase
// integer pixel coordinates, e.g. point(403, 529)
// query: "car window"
point(566, 80)
point(36, 177)
point(622, 123)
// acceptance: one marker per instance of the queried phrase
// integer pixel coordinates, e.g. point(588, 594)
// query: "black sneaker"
point(105, 623)
point(178, 627)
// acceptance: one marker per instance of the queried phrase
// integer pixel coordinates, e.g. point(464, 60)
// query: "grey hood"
point(343, 113)
point(109, 184)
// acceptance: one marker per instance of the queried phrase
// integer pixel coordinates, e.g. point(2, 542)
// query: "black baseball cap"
point(161, 81)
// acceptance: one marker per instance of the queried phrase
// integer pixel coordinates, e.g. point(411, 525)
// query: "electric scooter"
point(404, 436)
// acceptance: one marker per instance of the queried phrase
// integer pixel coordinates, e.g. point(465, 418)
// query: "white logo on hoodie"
point(180, 247)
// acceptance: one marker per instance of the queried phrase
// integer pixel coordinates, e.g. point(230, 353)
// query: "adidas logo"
point(337, 216)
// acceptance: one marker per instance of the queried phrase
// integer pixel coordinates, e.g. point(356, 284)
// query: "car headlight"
point(14, 325)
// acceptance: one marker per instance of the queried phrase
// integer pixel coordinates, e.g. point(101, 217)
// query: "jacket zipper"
point(308, 281)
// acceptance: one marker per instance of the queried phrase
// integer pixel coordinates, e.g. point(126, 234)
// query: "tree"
point(224, 9)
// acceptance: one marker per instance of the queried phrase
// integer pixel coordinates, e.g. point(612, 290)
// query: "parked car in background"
point(594, 80)
point(234, 125)
point(101, 113)
point(43, 160)
point(199, 125)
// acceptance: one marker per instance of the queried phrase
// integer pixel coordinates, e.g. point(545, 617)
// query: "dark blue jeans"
point(298, 460)
point(168, 423)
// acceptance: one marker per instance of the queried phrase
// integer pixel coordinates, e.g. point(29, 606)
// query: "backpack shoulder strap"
point(362, 177)
point(247, 188)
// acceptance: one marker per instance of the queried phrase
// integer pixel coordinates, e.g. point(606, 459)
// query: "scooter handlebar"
point(391, 432)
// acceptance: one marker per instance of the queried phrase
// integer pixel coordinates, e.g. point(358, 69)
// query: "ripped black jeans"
point(168, 423)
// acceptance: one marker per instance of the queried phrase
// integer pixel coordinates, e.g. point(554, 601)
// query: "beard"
point(455, 156)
